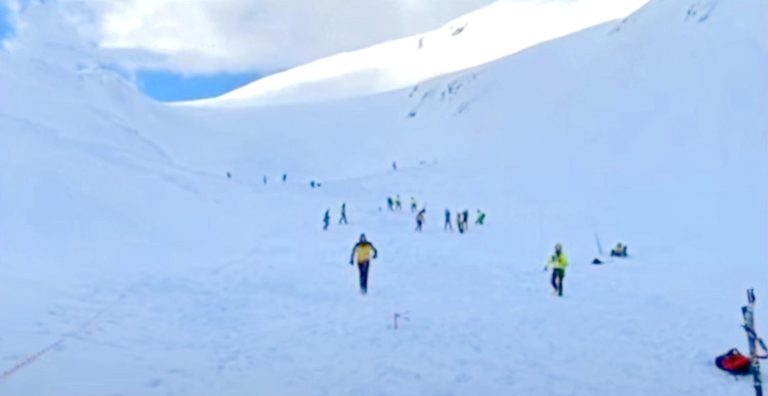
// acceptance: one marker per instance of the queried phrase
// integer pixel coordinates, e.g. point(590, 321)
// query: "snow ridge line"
point(5, 375)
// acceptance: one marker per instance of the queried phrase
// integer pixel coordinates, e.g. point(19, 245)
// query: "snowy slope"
point(133, 266)
point(495, 31)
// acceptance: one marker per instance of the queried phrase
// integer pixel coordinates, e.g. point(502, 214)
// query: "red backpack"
point(734, 362)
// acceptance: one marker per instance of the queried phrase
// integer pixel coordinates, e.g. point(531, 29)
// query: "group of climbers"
point(394, 203)
point(342, 217)
point(462, 220)
point(364, 251)
point(264, 178)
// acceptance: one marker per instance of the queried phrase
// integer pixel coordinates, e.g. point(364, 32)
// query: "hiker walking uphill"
point(448, 225)
point(398, 203)
point(480, 217)
point(390, 204)
point(414, 205)
point(557, 262)
point(343, 218)
point(363, 250)
point(326, 219)
point(460, 222)
point(420, 219)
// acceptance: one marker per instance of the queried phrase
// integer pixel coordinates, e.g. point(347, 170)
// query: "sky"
point(5, 23)
point(168, 86)
point(204, 36)
point(188, 49)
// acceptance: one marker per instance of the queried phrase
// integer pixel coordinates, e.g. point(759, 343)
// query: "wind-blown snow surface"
point(137, 268)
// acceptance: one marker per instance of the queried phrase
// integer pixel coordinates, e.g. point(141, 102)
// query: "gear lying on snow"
point(734, 362)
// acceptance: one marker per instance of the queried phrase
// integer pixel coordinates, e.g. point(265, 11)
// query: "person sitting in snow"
point(363, 250)
point(619, 251)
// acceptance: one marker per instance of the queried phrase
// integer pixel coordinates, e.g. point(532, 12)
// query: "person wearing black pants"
point(557, 280)
point(343, 219)
point(363, 250)
point(363, 267)
point(448, 225)
point(558, 262)
point(420, 219)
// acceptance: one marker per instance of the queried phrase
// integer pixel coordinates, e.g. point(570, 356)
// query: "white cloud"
point(237, 35)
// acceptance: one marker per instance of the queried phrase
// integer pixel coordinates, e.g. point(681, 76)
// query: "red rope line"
point(39, 354)
point(29, 360)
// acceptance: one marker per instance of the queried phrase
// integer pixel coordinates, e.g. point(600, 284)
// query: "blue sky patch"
point(6, 30)
point(168, 86)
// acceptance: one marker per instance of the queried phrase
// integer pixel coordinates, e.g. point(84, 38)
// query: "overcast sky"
point(237, 35)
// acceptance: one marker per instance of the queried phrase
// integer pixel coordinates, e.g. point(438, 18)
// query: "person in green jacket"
point(480, 217)
point(558, 262)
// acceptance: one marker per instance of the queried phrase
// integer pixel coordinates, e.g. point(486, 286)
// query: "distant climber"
point(327, 220)
point(394, 166)
point(398, 203)
point(264, 179)
point(558, 262)
point(466, 220)
point(390, 204)
point(229, 175)
point(619, 251)
point(363, 250)
point(285, 177)
point(480, 217)
point(312, 184)
point(448, 225)
point(414, 205)
point(343, 218)
point(420, 219)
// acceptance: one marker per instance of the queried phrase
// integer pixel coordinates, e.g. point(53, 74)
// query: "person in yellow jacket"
point(363, 250)
point(558, 262)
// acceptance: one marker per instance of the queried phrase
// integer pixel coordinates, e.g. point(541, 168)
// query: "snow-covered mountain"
point(133, 265)
point(498, 30)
